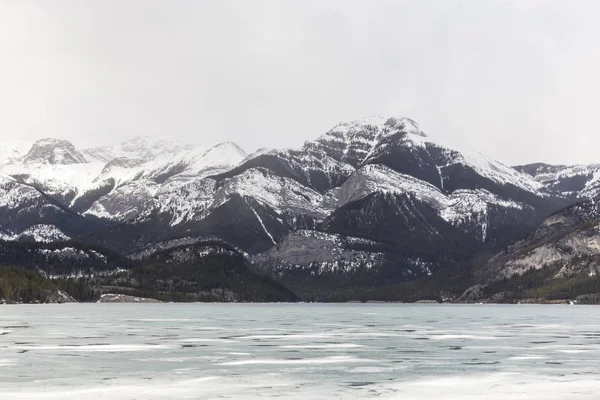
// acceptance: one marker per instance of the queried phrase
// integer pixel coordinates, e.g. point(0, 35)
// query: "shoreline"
point(313, 303)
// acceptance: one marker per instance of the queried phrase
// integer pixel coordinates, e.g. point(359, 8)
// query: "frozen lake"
point(299, 351)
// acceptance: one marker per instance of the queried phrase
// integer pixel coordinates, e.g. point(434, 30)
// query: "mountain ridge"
point(351, 182)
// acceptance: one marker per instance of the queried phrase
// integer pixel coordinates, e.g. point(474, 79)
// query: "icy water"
point(299, 351)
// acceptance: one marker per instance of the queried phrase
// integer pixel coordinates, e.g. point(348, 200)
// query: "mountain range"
point(371, 204)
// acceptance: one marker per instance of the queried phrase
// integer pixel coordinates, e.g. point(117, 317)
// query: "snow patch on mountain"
point(187, 203)
point(574, 181)
point(194, 200)
point(262, 224)
point(12, 193)
point(54, 179)
point(37, 233)
point(376, 177)
point(468, 206)
point(124, 203)
point(199, 164)
point(333, 237)
point(592, 187)
point(280, 194)
point(498, 172)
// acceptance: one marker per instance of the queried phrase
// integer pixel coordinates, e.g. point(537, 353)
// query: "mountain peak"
point(229, 145)
point(354, 141)
point(54, 151)
point(379, 123)
point(406, 124)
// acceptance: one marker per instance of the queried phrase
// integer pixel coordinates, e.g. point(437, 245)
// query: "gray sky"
point(516, 80)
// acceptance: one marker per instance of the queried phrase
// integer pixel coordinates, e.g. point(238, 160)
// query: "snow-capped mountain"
point(405, 204)
point(119, 188)
point(399, 144)
point(491, 201)
point(572, 181)
point(53, 151)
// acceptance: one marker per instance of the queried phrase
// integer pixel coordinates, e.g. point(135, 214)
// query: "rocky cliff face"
point(558, 260)
point(569, 239)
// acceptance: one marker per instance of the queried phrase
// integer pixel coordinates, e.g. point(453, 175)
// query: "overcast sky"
point(516, 80)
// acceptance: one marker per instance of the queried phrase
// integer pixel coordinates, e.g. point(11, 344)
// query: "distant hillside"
point(22, 286)
point(203, 271)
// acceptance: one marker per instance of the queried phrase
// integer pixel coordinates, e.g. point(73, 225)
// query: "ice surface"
point(286, 351)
